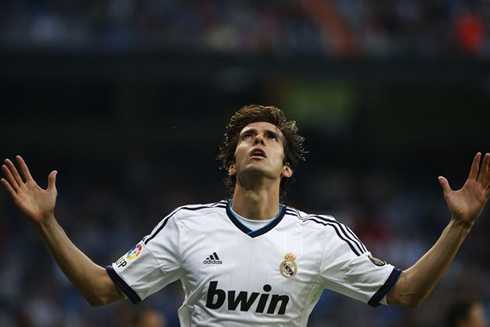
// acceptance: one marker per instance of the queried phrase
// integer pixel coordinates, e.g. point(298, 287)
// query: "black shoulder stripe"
point(162, 225)
point(293, 212)
point(346, 232)
point(339, 234)
point(357, 238)
point(191, 208)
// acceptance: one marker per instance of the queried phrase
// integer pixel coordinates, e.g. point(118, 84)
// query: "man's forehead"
point(261, 125)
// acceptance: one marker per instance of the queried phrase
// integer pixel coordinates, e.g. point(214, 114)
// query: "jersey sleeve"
point(151, 264)
point(350, 269)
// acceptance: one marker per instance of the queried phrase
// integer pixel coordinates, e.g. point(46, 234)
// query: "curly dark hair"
point(293, 145)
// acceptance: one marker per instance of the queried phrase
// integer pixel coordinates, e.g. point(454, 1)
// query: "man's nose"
point(259, 139)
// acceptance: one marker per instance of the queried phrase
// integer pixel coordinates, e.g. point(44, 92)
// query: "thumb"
point(52, 181)
point(444, 183)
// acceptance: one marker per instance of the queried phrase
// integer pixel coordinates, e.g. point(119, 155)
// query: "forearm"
point(417, 282)
point(89, 278)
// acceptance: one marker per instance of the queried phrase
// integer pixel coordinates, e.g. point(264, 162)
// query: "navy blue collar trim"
point(260, 231)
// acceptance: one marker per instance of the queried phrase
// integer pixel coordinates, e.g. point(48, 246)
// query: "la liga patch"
point(134, 252)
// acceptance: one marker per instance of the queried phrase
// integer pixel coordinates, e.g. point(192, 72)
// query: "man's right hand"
point(34, 202)
point(38, 205)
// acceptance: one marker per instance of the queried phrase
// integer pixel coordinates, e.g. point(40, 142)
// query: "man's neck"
point(260, 204)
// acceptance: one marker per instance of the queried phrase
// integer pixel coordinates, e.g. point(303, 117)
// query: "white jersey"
point(235, 276)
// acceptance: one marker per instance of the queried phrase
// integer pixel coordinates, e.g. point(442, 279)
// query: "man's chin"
point(256, 171)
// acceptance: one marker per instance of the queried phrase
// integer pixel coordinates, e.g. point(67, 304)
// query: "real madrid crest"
point(288, 267)
point(376, 261)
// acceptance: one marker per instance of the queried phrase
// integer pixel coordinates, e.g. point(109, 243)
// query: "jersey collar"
point(254, 233)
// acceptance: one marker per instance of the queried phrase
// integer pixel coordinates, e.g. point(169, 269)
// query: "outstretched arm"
point(465, 205)
point(38, 205)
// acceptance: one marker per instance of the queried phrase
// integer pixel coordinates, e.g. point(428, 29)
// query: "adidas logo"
point(213, 259)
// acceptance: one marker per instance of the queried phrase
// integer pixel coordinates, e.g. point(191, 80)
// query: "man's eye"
point(246, 136)
point(273, 137)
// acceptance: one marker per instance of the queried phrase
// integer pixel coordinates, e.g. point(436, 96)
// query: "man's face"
point(260, 151)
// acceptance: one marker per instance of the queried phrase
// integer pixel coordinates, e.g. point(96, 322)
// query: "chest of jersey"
point(266, 274)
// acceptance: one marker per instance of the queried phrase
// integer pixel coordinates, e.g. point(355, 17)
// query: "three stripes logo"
point(213, 259)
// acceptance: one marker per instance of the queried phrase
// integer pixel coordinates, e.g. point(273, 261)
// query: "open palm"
point(467, 203)
point(34, 202)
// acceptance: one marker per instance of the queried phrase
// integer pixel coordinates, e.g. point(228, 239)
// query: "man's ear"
point(231, 169)
point(287, 171)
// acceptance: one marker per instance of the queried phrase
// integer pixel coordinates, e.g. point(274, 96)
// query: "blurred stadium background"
point(128, 101)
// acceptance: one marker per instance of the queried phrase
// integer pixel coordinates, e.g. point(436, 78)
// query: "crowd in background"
point(377, 28)
point(108, 207)
point(107, 204)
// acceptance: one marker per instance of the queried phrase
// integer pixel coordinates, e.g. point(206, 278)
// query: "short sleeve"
point(151, 264)
point(357, 274)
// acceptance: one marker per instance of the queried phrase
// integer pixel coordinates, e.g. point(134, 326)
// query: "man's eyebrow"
point(271, 132)
point(249, 130)
point(268, 131)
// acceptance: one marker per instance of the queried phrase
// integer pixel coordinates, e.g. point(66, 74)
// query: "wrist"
point(464, 226)
point(47, 223)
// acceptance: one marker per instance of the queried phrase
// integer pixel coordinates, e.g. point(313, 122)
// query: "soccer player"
point(252, 260)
